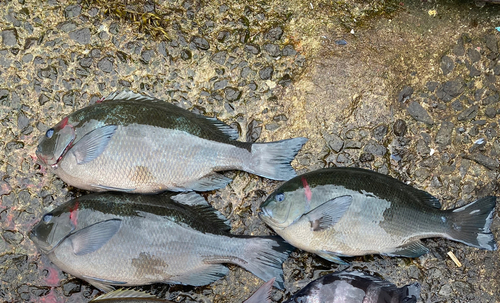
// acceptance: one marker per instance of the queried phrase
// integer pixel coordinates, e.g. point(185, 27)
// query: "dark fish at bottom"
point(124, 240)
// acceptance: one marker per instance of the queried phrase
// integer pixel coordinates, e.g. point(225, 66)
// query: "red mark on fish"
point(307, 189)
point(73, 213)
point(64, 122)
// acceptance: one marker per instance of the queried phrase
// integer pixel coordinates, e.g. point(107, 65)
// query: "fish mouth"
point(267, 216)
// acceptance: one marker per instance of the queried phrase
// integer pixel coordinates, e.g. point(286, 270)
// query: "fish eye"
point(49, 133)
point(47, 218)
point(279, 197)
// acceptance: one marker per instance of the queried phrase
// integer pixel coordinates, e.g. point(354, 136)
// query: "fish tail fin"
point(272, 160)
point(264, 257)
point(470, 224)
point(410, 293)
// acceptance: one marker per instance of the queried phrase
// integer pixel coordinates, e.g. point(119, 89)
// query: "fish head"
point(55, 226)
point(56, 142)
point(285, 205)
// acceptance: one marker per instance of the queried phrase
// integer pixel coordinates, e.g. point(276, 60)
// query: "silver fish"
point(136, 143)
point(337, 212)
point(125, 240)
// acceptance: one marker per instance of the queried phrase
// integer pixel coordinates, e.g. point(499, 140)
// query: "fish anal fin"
point(93, 144)
point(100, 187)
point(410, 250)
point(203, 276)
point(102, 284)
point(332, 257)
point(209, 182)
point(326, 215)
point(125, 294)
point(93, 237)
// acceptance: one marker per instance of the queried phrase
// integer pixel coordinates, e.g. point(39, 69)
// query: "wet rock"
point(473, 55)
point(334, 142)
point(423, 148)
point(220, 57)
point(447, 65)
point(200, 43)
point(274, 33)
point(266, 73)
point(50, 72)
point(9, 37)
point(431, 85)
point(254, 130)
point(443, 136)
point(72, 11)
point(473, 71)
point(22, 121)
point(67, 26)
point(81, 36)
point(71, 287)
point(457, 105)
point(490, 111)
point(5, 188)
point(399, 127)
point(405, 93)
point(272, 49)
point(450, 89)
point(445, 290)
point(29, 42)
point(69, 98)
point(484, 160)
point(106, 64)
point(252, 48)
point(288, 50)
point(85, 62)
point(232, 94)
point(13, 237)
point(419, 113)
point(459, 48)
point(468, 114)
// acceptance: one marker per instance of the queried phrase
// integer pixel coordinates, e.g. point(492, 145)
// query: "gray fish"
point(336, 212)
point(355, 287)
point(125, 240)
point(128, 296)
point(135, 143)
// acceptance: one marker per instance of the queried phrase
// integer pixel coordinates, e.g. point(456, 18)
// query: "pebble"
point(106, 64)
point(266, 73)
point(253, 131)
point(405, 93)
point(399, 127)
point(147, 55)
point(13, 237)
point(272, 49)
point(71, 287)
point(366, 157)
point(444, 133)
point(473, 55)
point(81, 36)
point(447, 65)
point(375, 149)
point(468, 114)
point(334, 142)
point(220, 84)
point(380, 131)
point(9, 37)
point(274, 33)
point(232, 94)
point(491, 43)
point(450, 89)
point(484, 160)
point(288, 50)
point(72, 11)
point(200, 43)
point(419, 113)
point(252, 48)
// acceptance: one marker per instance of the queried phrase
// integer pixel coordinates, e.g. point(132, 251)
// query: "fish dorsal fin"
point(425, 197)
point(93, 237)
point(125, 293)
point(212, 216)
point(93, 144)
point(329, 213)
point(128, 95)
point(225, 130)
point(263, 294)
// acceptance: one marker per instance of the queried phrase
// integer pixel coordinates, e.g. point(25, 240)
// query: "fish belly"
point(151, 159)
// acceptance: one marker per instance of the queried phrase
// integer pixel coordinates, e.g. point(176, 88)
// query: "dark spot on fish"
point(143, 175)
point(149, 264)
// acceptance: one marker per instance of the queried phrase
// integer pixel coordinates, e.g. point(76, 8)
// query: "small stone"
point(254, 131)
point(69, 98)
point(490, 112)
point(67, 26)
point(200, 43)
point(220, 84)
point(106, 64)
point(447, 65)
point(459, 48)
point(380, 131)
point(81, 36)
point(405, 93)
point(431, 85)
point(285, 80)
point(473, 55)
point(266, 73)
point(147, 55)
point(444, 133)
point(457, 105)
point(484, 160)
point(366, 157)
point(450, 89)
point(274, 33)
point(220, 57)
point(232, 94)
point(334, 142)
point(71, 287)
point(419, 113)
point(491, 43)
point(125, 83)
point(9, 37)
point(85, 62)
point(72, 11)
point(22, 121)
point(29, 42)
point(474, 72)
point(186, 54)
point(272, 49)
point(399, 127)
point(252, 48)
point(375, 149)
point(114, 28)
point(43, 99)
point(445, 290)
point(13, 237)
point(423, 148)
point(468, 114)
point(288, 50)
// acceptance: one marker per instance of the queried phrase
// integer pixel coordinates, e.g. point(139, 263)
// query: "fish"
point(355, 287)
point(121, 239)
point(128, 295)
point(135, 143)
point(343, 212)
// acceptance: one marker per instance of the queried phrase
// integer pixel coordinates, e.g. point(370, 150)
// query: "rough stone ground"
point(406, 88)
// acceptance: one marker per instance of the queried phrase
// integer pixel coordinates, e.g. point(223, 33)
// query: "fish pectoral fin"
point(329, 213)
point(409, 250)
point(93, 237)
point(103, 284)
point(332, 257)
point(203, 276)
point(209, 182)
point(93, 144)
point(126, 294)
